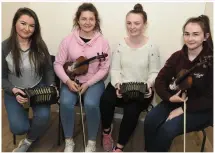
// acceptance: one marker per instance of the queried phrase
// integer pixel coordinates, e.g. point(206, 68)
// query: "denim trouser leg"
point(91, 99)
point(68, 100)
point(18, 118)
point(91, 105)
point(159, 134)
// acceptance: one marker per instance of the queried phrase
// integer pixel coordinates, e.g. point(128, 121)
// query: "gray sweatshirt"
point(29, 78)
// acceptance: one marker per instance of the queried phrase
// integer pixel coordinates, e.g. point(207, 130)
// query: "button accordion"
point(133, 90)
point(41, 95)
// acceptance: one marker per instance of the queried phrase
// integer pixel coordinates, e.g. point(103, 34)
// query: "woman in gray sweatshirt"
point(26, 63)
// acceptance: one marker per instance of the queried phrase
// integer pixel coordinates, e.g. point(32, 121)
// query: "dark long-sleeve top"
point(27, 79)
point(200, 95)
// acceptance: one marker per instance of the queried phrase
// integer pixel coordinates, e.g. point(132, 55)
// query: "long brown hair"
point(38, 54)
point(87, 7)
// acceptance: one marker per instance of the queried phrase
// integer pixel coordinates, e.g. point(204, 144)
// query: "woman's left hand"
point(83, 88)
point(176, 112)
point(149, 93)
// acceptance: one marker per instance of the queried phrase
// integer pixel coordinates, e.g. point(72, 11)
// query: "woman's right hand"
point(19, 98)
point(72, 85)
point(117, 87)
point(176, 98)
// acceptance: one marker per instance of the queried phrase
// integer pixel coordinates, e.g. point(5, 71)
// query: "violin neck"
point(85, 62)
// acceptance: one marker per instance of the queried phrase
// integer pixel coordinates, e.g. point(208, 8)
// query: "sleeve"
point(204, 102)
point(103, 67)
point(6, 84)
point(165, 77)
point(60, 60)
point(116, 67)
point(153, 65)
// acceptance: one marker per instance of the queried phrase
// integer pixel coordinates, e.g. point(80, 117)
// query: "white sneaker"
point(23, 146)
point(91, 146)
point(69, 145)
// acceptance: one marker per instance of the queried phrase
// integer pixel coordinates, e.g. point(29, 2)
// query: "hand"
point(58, 94)
point(149, 93)
point(83, 88)
point(72, 85)
point(176, 112)
point(19, 98)
point(117, 90)
point(176, 98)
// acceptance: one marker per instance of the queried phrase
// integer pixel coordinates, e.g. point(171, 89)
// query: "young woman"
point(136, 59)
point(26, 63)
point(85, 40)
point(165, 121)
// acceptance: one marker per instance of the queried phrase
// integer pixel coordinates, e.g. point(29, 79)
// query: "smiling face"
point(87, 21)
point(25, 27)
point(193, 36)
point(135, 24)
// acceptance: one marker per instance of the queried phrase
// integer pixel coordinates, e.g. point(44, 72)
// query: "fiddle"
point(80, 66)
point(184, 80)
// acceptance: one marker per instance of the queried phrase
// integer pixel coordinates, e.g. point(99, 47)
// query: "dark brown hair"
point(204, 23)
point(38, 54)
point(87, 7)
point(138, 9)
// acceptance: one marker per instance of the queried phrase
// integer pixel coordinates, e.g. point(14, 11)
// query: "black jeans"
point(131, 112)
point(159, 133)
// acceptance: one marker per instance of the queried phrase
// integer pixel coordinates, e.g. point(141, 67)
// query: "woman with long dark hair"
point(26, 63)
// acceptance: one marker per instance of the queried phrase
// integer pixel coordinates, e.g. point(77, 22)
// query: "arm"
point(165, 77)
point(60, 59)
point(116, 68)
point(6, 85)
point(154, 66)
point(103, 68)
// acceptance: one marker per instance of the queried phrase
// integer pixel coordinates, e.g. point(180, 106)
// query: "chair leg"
point(203, 141)
point(59, 129)
point(14, 139)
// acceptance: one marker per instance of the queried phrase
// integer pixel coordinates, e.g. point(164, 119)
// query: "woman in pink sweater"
point(85, 40)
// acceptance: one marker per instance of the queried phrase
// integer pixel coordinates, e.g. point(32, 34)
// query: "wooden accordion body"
point(42, 95)
point(132, 90)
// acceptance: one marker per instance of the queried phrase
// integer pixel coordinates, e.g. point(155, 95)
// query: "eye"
point(23, 23)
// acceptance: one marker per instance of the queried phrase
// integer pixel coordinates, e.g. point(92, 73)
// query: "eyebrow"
point(26, 22)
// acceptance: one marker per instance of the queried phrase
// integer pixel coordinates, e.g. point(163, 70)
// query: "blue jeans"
point(91, 99)
point(19, 121)
point(159, 133)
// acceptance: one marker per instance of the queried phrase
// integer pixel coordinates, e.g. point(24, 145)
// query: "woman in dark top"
point(166, 120)
point(26, 63)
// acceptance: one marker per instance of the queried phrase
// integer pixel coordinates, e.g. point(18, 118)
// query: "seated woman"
point(136, 59)
point(166, 121)
point(26, 63)
point(85, 40)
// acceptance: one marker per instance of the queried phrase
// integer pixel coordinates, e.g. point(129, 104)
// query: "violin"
point(80, 66)
point(184, 80)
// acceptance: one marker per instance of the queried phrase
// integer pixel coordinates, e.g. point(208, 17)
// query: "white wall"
point(165, 21)
point(8, 11)
point(209, 13)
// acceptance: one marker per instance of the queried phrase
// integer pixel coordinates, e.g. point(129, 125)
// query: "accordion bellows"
point(131, 90)
point(42, 95)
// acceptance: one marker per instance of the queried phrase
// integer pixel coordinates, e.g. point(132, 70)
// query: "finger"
point(178, 93)
point(21, 92)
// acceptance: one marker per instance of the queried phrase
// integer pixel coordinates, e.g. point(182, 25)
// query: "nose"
point(27, 28)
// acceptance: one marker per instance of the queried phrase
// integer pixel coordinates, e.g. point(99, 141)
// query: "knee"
point(19, 128)
point(91, 104)
point(66, 103)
